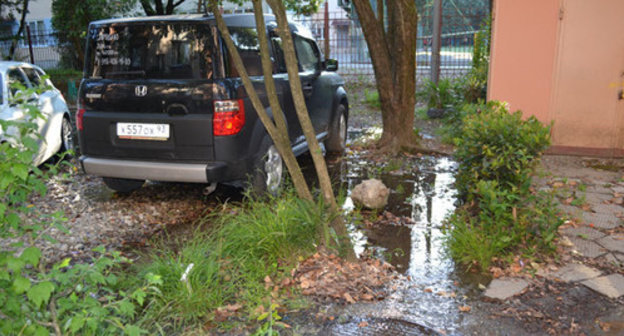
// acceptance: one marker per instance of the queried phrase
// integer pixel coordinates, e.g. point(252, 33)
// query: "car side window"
point(16, 76)
point(307, 53)
point(248, 45)
point(33, 76)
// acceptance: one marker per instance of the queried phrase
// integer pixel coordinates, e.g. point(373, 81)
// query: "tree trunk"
point(306, 124)
point(278, 133)
point(393, 52)
point(20, 30)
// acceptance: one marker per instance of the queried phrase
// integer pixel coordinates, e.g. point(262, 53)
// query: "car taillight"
point(79, 118)
point(228, 117)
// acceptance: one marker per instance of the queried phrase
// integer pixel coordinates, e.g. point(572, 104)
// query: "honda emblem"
point(140, 90)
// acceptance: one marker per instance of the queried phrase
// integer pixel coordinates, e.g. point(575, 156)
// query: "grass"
point(371, 98)
point(232, 259)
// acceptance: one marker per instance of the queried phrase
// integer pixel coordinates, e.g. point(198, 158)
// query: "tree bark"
point(320, 166)
point(278, 132)
point(393, 52)
point(20, 30)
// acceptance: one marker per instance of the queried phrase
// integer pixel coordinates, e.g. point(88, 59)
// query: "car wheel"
point(123, 185)
point(267, 178)
point(337, 139)
point(67, 137)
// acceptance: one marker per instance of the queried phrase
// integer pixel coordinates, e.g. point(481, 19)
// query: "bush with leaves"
point(497, 152)
point(496, 145)
point(66, 298)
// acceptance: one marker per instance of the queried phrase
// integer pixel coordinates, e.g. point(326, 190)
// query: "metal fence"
point(348, 45)
point(45, 50)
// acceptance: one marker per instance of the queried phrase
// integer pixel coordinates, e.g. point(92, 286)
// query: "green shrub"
point(502, 223)
point(496, 145)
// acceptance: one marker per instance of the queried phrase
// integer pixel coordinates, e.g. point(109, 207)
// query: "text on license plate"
point(140, 131)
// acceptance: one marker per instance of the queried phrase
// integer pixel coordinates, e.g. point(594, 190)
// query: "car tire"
point(268, 173)
point(67, 138)
point(123, 185)
point(337, 139)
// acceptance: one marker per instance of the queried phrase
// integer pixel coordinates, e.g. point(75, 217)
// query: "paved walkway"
point(592, 200)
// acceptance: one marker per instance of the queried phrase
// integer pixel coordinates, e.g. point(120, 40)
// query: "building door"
point(588, 77)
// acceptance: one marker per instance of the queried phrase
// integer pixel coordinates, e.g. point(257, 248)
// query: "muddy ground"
point(432, 296)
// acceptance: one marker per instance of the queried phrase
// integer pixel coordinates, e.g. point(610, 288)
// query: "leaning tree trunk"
point(392, 47)
point(320, 165)
point(20, 30)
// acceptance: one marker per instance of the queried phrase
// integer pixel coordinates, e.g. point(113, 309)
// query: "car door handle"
point(307, 89)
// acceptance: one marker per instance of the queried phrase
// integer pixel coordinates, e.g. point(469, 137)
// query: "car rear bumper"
point(156, 171)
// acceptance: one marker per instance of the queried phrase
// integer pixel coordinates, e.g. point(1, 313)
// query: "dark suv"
point(161, 100)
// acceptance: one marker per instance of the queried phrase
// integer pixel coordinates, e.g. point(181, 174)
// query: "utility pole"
point(436, 41)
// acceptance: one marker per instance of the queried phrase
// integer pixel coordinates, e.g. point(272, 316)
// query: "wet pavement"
point(435, 297)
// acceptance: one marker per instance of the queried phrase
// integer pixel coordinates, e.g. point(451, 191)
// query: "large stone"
point(372, 194)
point(612, 243)
point(575, 272)
point(587, 248)
point(610, 285)
point(502, 289)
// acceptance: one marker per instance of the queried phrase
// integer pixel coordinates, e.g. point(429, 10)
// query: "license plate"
point(138, 131)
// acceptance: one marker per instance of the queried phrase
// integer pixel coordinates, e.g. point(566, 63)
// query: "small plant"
point(439, 98)
point(372, 98)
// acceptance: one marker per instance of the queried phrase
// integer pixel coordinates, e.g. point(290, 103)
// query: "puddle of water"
point(422, 190)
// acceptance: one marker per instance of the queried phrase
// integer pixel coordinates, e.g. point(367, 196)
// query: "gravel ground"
point(96, 216)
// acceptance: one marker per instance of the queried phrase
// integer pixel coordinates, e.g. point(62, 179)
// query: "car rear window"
point(151, 50)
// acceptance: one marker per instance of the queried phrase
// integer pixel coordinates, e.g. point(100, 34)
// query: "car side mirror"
point(330, 64)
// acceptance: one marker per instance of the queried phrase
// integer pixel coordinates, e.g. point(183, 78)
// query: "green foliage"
point(371, 98)
point(502, 223)
point(35, 298)
point(230, 261)
point(497, 152)
point(496, 145)
point(440, 96)
point(474, 85)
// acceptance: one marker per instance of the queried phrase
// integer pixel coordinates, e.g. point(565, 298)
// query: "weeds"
point(247, 248)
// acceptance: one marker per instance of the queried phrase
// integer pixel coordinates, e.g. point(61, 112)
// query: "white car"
point(56, 128)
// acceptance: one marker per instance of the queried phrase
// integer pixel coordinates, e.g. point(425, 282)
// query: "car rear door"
point(148, 92)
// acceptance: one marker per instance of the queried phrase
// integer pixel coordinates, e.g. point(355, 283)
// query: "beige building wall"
point(524, 38)
point(563, 61)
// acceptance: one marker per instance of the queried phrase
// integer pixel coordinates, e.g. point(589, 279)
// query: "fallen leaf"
point(465, 309)
point(428, 290)
point(233, 307)
point(363, 324)
point(348, 297)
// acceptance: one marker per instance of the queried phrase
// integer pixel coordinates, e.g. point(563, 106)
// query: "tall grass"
point(232, 257)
